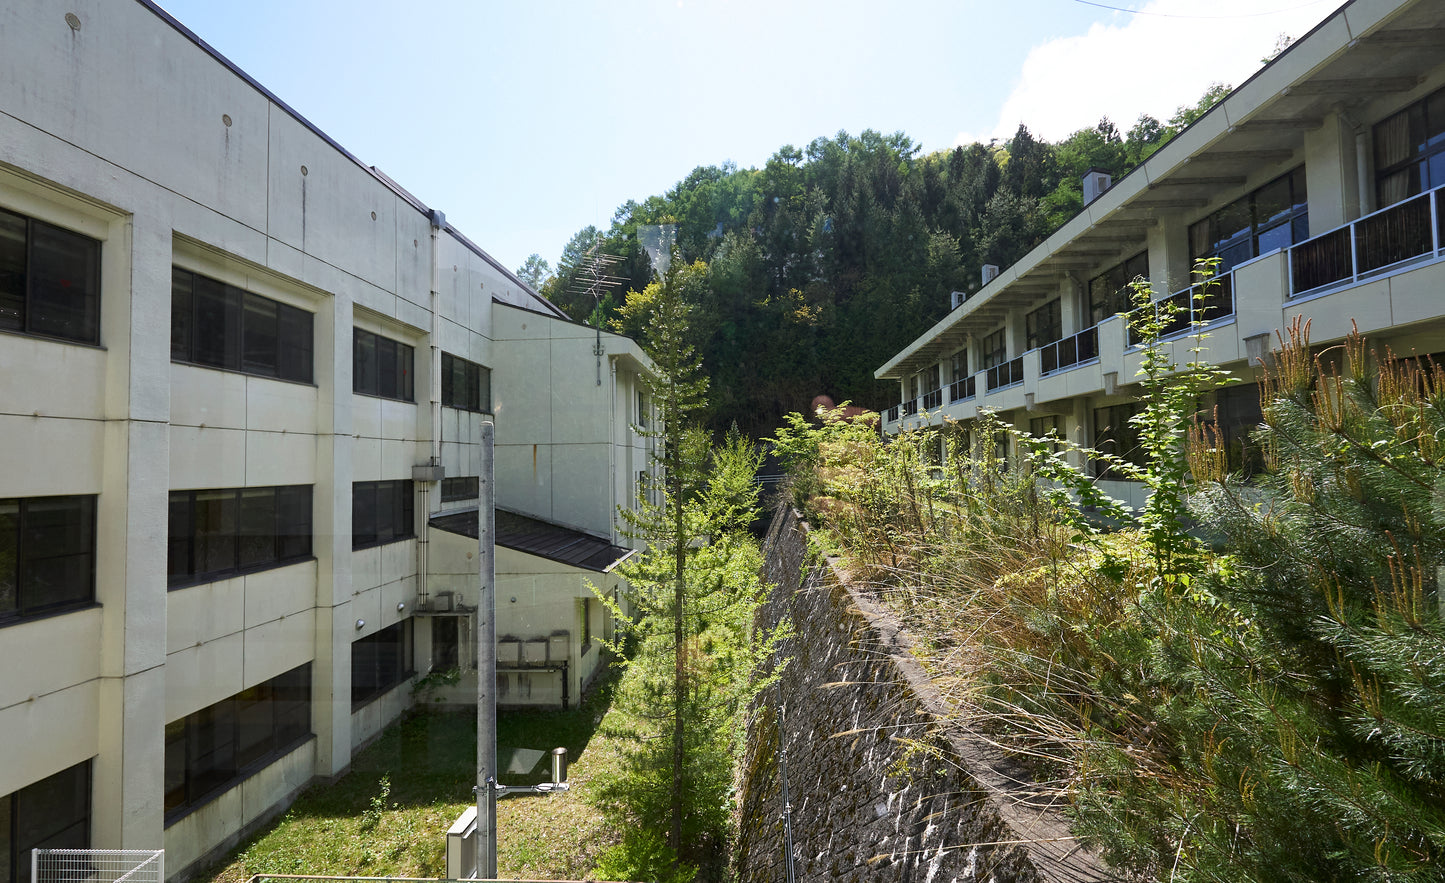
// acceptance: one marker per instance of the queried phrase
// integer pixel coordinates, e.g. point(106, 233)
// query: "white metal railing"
point(98, 865)
point(1005, 374)
point(1074, 350)
point(1397, 235)
point(1199, 304)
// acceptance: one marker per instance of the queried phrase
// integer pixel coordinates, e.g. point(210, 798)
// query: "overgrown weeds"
point(1270, 709)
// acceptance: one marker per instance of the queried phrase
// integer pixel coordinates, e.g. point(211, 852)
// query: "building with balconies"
point(247, 387)
point(1319, 188)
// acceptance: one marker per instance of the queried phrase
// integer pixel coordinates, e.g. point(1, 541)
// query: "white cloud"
point(1146, 63)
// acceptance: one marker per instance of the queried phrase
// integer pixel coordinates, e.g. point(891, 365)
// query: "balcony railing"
point(909, 408)
point(1402, 233)
point(1005, 374)
point(1071, 351)
point(964, 389)
point(932, 400)
point(893, 414)
point(1191, 308)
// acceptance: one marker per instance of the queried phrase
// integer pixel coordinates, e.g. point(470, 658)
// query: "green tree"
point(693, 594)
point(535, 272)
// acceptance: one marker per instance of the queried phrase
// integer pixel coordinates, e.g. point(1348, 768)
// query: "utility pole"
point(487, 663)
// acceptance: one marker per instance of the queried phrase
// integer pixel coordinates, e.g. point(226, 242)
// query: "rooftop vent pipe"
point(990, 271)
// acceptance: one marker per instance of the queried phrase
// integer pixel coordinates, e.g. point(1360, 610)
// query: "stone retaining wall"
point(881, 788)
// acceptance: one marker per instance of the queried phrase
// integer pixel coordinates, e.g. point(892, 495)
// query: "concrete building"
point(1318, 186)
point(244, 379)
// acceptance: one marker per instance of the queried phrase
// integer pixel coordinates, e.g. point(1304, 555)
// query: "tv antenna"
point(595, 276)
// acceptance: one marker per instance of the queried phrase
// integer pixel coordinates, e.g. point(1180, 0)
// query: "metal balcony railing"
point(893, 414)
point(932, 400)
point(1005, 374)
point(909, 408)
point(1400, 234)
point(963, 389)
point(1194, 306)
point(1073, 350)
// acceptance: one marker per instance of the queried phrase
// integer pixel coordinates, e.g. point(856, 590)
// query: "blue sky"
point(525, 122)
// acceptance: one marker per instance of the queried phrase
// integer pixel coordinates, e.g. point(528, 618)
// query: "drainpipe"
point(434, 400)
point(612, 446)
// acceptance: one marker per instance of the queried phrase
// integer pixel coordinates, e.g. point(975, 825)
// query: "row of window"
point(380, 662)
point(53, 813)
point(222, 326)
point(222, 532)
point(210, 751)
point(47, 555)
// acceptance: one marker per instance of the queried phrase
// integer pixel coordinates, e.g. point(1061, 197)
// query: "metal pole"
point(487, 665)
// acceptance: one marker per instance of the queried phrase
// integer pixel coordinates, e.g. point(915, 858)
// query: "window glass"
point(463, 487)
point(363, 362)
point(215, 748)
point(64, 283)
point(258, 526)
point(216, 531)
point(381, 512)
point(1044, 325)
point(12, 271)
point(387, 363)
point(260, 336)
point(58, 547)
point(183, 314)
point(296, 355)
point(380, 662)
point(9, 556)
point(995, 350)
point(223, 531)
point(53, 813)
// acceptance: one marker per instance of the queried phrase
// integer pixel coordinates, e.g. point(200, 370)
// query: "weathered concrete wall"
point(881, 788)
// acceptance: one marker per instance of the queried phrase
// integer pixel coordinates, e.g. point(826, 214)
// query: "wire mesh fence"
point(98, 865)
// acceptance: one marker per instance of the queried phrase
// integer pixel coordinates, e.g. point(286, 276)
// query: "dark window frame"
point(32, 545)
point(218, 325)
point(993, 349)
point(72, 832)
point(466, 385)
point(397, 497)
point(212, 534)
point(1115, 433)
point(381, 662)
point(1244, 238)
point(1109, 292)
point(1418, 130)
point(1044, 325)
point(382, 366)
point(213, 742)
point(31, 288)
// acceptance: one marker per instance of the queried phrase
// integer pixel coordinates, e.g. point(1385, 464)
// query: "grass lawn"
point(389, 815)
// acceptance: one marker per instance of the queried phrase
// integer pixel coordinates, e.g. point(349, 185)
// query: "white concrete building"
point(242, 375)
point(1318, 185)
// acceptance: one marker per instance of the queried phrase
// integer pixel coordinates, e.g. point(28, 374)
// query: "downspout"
point(612, 447)
point(434, 400)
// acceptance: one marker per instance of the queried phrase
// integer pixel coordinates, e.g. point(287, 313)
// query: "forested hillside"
point(812, 271)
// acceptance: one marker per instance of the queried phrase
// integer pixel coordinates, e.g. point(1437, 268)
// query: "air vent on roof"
point(956, 300)
point(990, 271)
point(1096, 181)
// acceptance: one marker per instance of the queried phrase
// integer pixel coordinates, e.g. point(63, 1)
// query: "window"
point(1235, 416)
point(1410, 150)
point(1044, 325)
point(49, 280)
point(219, 533)
point(216, 748)
point(380, 662)
point(381, 367)
point(586, 613)
point(464, 487)
point(1115, 434)
point(381, 512)
point(53, 813)
point(642, 409)
point(47, 555)
point(1274, 216)
point(958, 366)
point(222, 326)
point(994, 350)
point(445, 643)
point(1109, 292)
point(465, 385)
